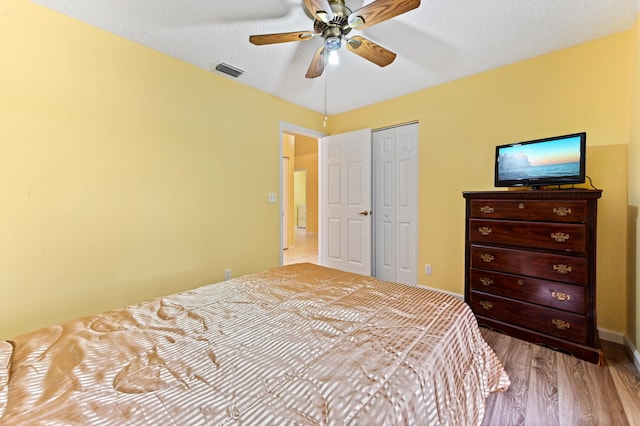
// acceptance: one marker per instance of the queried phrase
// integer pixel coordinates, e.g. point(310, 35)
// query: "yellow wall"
point(584, 88)
point(124, 174)
point(633, 288)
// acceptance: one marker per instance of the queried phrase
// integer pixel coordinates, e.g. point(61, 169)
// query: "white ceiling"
point(440, 41)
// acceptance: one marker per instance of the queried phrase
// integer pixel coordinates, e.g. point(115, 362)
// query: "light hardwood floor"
point(303, 248)
point(552, 388)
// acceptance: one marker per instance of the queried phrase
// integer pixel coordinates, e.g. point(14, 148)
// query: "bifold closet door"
point(395, 212)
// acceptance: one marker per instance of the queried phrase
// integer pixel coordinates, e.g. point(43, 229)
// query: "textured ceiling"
point(440, 41)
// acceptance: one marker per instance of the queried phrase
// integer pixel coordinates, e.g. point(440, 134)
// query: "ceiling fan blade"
point(379, 11)
point(319, 9)
point(370, 51)
point(280, 37)
point(317, 64)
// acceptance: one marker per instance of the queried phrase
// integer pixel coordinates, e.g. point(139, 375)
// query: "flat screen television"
point(550, 161)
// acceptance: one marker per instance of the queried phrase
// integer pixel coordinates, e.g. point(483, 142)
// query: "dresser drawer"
point(567, 269)
point(567, 297)
point(544, 235)
point(555, 211)
point(565, 325)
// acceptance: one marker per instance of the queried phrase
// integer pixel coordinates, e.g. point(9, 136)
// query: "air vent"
point(229, 70)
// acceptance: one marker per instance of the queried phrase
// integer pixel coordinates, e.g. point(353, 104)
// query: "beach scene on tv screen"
point(540, 160)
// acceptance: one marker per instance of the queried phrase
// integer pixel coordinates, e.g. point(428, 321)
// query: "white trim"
point(457, 295)
point(634, 352)
point(611, 336)
point(293, 128)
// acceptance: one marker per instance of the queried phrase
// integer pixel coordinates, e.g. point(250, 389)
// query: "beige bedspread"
point(300, 344)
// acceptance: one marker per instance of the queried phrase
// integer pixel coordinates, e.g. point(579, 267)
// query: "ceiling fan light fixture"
point(356, 21)
point(332, 43)
point(333, 21)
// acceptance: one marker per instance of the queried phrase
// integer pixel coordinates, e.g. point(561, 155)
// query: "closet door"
point(395, 159)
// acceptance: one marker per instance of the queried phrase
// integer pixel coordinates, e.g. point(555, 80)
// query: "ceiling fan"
point(333, 21)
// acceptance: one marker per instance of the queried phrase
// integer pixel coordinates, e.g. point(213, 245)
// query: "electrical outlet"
point(272, 197)
point(227, 274)
point(427, 269)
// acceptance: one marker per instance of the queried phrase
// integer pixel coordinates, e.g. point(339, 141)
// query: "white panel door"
point(396, 203)
point(407, 204)
point(384, 159)
point(345, 211)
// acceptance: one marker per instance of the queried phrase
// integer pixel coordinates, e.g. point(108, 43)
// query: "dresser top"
point(536, 194)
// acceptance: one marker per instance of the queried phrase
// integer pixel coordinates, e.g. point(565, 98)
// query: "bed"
point(298, 344)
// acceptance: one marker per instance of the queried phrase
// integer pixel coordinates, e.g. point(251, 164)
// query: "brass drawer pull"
point(486, 305)
point(487, 257)
point(486, 281)
point(521, 206)
point(562, 211)
point(562, 269)
point(487, 209)
point(485, 230)
point(560, 325)
point(520, 282)
point(562, 297)
point(560, 237)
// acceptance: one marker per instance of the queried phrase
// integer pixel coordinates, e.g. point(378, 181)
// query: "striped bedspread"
point(299, 344)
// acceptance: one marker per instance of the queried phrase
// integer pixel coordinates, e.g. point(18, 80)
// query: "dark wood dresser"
point(531, 266)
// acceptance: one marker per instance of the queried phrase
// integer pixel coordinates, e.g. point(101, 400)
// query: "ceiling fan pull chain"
point(325, 92)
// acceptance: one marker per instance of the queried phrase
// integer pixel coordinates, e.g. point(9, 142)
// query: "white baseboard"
point(634, 351)
point(611, 336)
point(622, 339)
point(459, 296)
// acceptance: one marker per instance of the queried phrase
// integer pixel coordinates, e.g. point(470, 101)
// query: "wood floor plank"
point(510, 406)
point(542, 403)
point(626, 378)
point(499, 343)
point(552, 388)
point(587, 394)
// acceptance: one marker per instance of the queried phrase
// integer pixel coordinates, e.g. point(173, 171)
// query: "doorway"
point(299, 187)
point(304, 247)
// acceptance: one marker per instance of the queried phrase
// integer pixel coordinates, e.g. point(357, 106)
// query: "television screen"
point(542, 162)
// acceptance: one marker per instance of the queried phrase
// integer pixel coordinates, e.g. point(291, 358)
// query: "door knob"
point(364, 213)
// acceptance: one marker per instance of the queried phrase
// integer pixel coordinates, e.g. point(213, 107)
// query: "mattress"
point(299, 344)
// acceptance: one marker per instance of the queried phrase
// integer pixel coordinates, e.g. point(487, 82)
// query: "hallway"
point(304, 248)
